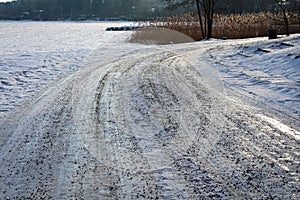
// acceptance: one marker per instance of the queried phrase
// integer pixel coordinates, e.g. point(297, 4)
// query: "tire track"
point(148, 125)
point(151, 112)
point(33, 156)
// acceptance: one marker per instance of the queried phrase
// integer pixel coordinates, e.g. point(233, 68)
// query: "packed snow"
point(84, 114)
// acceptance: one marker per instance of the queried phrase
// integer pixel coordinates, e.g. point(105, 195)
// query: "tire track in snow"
point(31, 160)
point(146, 126)
point(100, 148)
point(123, 152)
point(149, 118)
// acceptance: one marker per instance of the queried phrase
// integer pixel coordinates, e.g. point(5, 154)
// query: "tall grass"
point(231, 26)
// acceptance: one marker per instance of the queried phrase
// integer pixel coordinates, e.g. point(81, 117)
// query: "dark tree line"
point(78, 9)
point(129, 9)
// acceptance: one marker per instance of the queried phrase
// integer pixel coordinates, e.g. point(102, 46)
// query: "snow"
point(35, 54)
point(269, 70)
point(85, 114)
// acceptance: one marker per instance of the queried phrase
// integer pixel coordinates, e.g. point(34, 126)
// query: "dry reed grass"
point(157, 35)
point(233, 26)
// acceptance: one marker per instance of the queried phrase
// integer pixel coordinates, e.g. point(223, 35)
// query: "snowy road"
point(152, 123)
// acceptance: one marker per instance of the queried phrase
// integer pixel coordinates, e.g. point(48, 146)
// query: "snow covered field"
point(34, 54)
point(85, 114)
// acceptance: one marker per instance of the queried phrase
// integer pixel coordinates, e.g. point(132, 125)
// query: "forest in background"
point(118, 9)
point(79, 9)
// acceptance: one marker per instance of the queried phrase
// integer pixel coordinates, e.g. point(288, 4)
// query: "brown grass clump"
point(187, 24)
point(157, 35)
point(233, 26)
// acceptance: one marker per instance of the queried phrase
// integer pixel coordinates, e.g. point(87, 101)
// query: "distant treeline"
point(118, 9)
point(78, 9)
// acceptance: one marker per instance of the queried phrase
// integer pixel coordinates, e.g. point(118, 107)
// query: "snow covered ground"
point(85, 114)
point(267, 70)
point(34, 54)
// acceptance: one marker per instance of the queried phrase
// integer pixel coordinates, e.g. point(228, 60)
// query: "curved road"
point(153, 124)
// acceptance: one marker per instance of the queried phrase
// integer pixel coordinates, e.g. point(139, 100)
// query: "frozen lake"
point(34, 54)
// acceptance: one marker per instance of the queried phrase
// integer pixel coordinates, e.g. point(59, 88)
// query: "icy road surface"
point(155, 122)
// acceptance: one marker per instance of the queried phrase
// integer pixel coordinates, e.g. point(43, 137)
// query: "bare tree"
point(205, 10)
point(284, 8)
point(208, 9)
